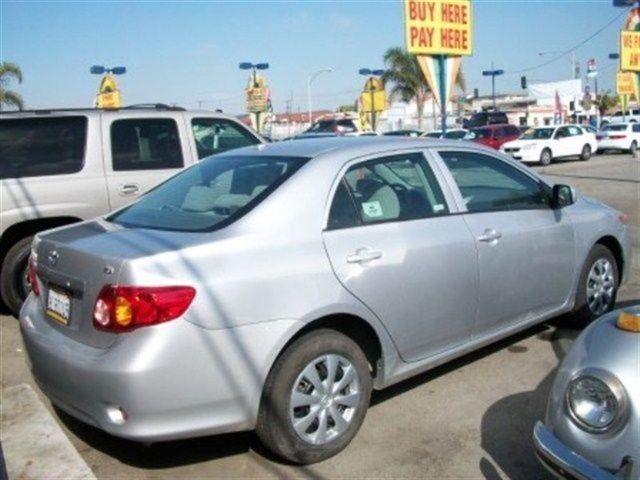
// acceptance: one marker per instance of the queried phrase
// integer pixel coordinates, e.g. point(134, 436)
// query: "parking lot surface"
point(468, 419)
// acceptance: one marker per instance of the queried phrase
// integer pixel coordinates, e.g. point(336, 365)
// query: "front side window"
point(538, 134)
point(145, 144)
point(395, 188)
point(209, 195)
point(216, 135)
point(488, 184)
point(33, 147)
point(574, 131)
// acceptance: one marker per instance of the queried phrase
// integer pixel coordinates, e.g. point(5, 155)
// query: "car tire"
point(546, 157)
point(599, 262)
point(308, 356)
point(13, 285)
point(634, 148)
point(585, 155)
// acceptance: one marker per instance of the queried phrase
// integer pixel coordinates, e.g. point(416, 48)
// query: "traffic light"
point(523, 82)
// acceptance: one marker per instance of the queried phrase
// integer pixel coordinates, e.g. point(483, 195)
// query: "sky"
point(188, 52)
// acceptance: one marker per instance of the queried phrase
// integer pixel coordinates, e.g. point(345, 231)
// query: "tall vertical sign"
point(630, 50)
point(439, 33)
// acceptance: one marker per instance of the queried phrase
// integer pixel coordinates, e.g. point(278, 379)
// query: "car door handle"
point(129, 189)
point(489, 236)
point(364, 255)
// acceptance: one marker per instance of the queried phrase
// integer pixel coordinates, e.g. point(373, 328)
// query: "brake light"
point(125, 308)
point(32, 276)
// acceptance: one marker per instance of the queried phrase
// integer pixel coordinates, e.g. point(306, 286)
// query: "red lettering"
point(431, 6)
point(417, 11)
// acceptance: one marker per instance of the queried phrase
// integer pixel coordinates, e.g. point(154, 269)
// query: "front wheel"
point(545, 157)
point(315, 397)
point(586, 153)
point(598, 286)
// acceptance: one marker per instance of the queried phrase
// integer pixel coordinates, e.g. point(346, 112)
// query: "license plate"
point(59, 306)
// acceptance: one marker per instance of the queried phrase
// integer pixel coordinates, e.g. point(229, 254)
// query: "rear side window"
point(216, 135)
point(209, 195)
point(488, 184)
point(33, 147)
point(343, 213)
point(395, 188)
point(145, 144)
point(636, 127)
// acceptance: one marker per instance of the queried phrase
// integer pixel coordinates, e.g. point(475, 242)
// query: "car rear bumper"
point(614, 144)
point(565, 463)
point(174, 380)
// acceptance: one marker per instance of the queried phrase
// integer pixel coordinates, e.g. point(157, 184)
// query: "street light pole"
point(493, 74)
point(310, 80)
point(573, 60)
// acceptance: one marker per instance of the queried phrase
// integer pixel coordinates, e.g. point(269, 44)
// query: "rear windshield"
point(324, 126)
point(209, 195)
point(483, 133)
point(614, 128)
point(32, 147)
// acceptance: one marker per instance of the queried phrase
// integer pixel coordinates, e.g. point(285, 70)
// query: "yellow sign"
point(626, 84)
point(257, 95)
point(439, 27)
point(630, 50)
point(108, 94)
point(373, 97)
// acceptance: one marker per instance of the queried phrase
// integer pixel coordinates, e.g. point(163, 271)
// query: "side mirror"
point(562, 196)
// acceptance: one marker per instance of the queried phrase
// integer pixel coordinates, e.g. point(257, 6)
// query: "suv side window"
point(145, 144)
point(216, 135)
point(33, 147)
point(395, 188)
point(488, 184)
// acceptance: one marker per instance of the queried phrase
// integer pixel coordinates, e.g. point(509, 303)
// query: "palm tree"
point(8, 71)
point(407, 80)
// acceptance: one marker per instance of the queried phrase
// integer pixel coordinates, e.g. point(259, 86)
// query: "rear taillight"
point(124, 308)
point(32, 277)
point(617, 137)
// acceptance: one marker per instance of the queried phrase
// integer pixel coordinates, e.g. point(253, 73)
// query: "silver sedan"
point(273, 287)
point(592, 426)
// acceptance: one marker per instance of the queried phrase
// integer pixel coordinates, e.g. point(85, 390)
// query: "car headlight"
point(529, 146)
point(596, 401)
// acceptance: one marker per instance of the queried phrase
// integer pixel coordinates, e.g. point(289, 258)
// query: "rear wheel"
point(14, 286)
point(545, 157)
point(586, 153)
point(315, 398)
point(598, 286)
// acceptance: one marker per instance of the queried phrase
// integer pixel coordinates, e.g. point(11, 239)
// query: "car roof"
point(152, 110)
point(350, 146)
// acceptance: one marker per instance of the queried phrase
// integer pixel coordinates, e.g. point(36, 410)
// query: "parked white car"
point(619, 136)
point(632, 116)
point(62, 166)
point(545, 144)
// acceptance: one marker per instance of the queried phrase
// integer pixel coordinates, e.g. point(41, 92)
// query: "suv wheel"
point(598, 286)
point(14, 286)
point(586, 153)
point(545, 157)
point(315, 397)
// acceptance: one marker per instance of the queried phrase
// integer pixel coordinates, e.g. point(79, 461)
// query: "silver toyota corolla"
point(592, 426)
point(273, 287)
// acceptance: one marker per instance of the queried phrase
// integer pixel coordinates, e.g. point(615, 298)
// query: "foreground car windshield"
point(538, 134)
point(210, 195)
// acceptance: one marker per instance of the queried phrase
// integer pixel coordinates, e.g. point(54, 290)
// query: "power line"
point(568, 51)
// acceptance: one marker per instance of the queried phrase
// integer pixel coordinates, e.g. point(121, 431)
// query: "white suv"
point(63, 166)
point(631, 116)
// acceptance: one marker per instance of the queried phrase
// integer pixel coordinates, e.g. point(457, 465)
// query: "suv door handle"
point(490, 236)
point(364, 255)
point(129, 189)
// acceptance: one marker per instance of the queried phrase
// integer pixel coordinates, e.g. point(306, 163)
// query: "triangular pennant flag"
point(431, 68)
